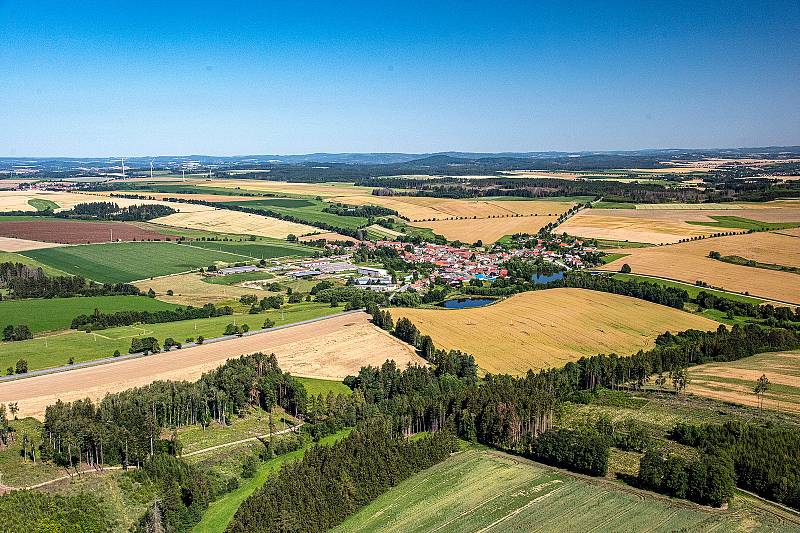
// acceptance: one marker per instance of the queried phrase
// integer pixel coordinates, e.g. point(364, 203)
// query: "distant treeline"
point(312, 494)
point(98, 320)
point(24, 281)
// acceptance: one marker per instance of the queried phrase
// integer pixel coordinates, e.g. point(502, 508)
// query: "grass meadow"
point(129, 261)
point(57, 313)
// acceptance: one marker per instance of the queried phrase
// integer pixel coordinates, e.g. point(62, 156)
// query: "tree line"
point(112, 211)
point(98, 320)
point(24, 281)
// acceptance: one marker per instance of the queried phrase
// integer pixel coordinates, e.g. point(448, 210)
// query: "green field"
point(257, 249)
point(609, 258)
point(484, 490)
point(57, 313)
point(221, 511)
point(12, 257)
point(42, 205)
point(129, 261)
point(316, 386)
point(311, 211)
point(744, 223)
point(693, 290)
point(55, 350)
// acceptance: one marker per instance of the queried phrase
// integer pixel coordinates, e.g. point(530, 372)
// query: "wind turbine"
point(123, 167)
point(183, 173)
point(151, 169)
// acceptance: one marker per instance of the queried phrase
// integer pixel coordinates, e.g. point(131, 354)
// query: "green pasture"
point(129, 261)
point(256, 249)
point(55, 350)
point(50, 314)
point(310, 211)
point(693, 290)
point(233, 279)
point(42, 205)
point(15, 257)
point(316, 386)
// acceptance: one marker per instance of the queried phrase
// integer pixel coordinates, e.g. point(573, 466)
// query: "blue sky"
point(141, 78)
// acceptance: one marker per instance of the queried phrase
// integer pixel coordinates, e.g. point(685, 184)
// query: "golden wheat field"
point(18, 200)
point(689, 262)
point(487, 230)
point(734, 381)
point(551, 327)
point(227, 221)
point(669, 223)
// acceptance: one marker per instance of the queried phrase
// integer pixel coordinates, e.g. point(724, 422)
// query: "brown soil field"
point(734, 381)
point(8, 244)
point(227, 221)
point(190, 289)
point(74, 231)
point(550, 328)
point(326, 349)
point(486, 229)
point(689, 262)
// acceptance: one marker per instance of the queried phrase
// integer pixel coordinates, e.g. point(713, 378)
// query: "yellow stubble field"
point(551, 327)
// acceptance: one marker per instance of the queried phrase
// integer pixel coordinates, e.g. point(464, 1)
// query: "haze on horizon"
point(273, 78)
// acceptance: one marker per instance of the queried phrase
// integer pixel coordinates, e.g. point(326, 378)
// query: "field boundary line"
point(137, 355)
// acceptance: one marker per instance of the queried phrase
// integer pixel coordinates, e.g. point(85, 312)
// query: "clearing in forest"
point(549, 328)
point(484, 490)
point(734, 381)
point(689, 262)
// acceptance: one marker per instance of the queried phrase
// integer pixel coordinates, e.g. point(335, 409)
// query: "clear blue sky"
point(140, 78)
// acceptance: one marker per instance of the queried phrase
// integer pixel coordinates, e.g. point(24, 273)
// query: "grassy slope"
point(55, 350)
point(57, 313)
point(233, 279)
point(129, 261)
point(480, 488)
point(42, 205)
point(743, 223)
point(220, 512)
point(316, 386)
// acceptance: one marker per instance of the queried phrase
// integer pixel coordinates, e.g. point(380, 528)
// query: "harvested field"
point(551, 327)
point(669, 223)
point(163, 196)
point(190, 289)
point(226, 221)
point(19, 200)
point(487, 230)
point(326, 190)
point(482, 490)
point(8, 244)
point(327, 349)
point(689, 262)
point(734, 381)
point(75, 231)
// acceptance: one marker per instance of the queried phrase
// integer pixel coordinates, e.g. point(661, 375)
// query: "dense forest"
point(112, 211)
point(332, 482)
point(23, 281)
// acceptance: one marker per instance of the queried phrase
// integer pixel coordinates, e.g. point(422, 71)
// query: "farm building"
point(236, 270)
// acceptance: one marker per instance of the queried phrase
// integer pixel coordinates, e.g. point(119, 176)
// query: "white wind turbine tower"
point(183, 173)
point(151, 169)
point(123, 167)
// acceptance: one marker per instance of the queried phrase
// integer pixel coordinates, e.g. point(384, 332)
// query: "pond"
point(464, 303)
point(542, 279)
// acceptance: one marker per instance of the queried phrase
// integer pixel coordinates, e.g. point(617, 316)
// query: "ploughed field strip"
point(76, 232)
point(484, 490)
point(549, 328)
point(326, 349)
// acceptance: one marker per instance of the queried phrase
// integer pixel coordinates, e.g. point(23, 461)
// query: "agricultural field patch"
point(327, 349)
point(689, 262)
point(236, 222)
point(257, 249)
point(487, 230)
point(195, 289)
point(734, 381)
point(8, 244)
point(51, 314)
point(306, 210)
point(129, 261)
point(484, 490)
point(76, 231)
point(549, 328)
point(40, 204)
point(10, 257)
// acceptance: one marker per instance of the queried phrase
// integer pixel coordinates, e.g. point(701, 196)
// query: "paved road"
point(106, 360)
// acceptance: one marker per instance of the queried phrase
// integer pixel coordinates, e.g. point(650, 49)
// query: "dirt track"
point(328, 349)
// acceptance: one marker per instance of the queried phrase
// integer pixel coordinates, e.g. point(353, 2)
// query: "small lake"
point(541, 279)
point(464, 303)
